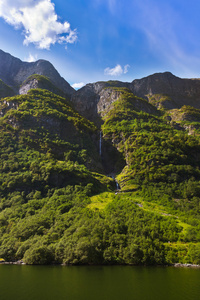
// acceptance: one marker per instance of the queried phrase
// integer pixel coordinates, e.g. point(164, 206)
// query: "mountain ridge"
point(14, 72)
point(163, 90)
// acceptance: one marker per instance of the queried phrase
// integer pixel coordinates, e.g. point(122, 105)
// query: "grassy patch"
point(2, 260)
point(100, 201)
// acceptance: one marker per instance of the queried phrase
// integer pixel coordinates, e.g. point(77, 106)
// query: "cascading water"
point(100, 142)
point(116, 183)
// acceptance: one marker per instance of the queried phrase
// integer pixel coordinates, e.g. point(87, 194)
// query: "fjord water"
point(99, 283)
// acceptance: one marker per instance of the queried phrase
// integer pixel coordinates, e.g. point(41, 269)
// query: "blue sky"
point(93, 40)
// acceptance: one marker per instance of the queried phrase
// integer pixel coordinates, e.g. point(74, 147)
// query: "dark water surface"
point(98, 283)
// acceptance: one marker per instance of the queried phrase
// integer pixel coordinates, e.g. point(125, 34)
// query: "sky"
point(100, 40)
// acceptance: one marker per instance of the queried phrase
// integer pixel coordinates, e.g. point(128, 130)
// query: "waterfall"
point(100, 142)
point(117, 185)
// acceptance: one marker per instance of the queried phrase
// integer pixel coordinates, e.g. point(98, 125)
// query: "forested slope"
point(58, 205)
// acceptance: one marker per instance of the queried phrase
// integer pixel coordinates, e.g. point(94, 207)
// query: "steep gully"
point(112, 175)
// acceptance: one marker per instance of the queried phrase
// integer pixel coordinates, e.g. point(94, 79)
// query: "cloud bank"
point(39, 22)
point(116, 71)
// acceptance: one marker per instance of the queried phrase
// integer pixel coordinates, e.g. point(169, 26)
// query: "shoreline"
point(179, 265)
point(176, 265)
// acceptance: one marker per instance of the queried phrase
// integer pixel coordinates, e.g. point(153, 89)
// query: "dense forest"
point(64, 200)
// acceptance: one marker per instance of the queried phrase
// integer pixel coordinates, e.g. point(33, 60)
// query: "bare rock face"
point(26, 86)
point(85, 101)
point(106, 98)
point(14, 72)
point(92, 99)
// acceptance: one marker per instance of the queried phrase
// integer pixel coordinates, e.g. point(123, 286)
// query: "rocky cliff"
point(92, 99)
point(163, 90)
point(14, 72)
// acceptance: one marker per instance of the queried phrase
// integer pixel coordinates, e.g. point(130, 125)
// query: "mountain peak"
point(14, 72)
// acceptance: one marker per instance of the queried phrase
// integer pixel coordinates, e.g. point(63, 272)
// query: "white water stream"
point(100, 143)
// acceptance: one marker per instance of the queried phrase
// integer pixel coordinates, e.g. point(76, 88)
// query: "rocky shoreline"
point(178, 265)
point(19, 262)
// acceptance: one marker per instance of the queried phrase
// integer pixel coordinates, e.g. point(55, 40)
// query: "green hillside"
point(58, 206)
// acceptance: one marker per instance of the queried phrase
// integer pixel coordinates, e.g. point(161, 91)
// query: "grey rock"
point(177, 265)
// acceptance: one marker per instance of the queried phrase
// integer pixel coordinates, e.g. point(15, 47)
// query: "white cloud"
point(31, 58)
point(78, 85)
point(39, 22)
point(126, 67)
point(116, 71)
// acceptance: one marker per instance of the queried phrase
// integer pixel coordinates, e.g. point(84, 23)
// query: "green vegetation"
point(188, 117)
point(161, 101)
point(5, 90)
point(57, 205)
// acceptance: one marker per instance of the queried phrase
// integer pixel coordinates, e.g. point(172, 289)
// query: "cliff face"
point(94, 98)
point(14, 72)
point(163, 90)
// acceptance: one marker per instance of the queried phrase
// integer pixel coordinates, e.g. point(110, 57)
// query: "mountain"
point(167, 90)
point(110, 176)
point(14, 72)
point(163, 90)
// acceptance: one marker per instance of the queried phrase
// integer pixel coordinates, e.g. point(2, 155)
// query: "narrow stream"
point(100, 143)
